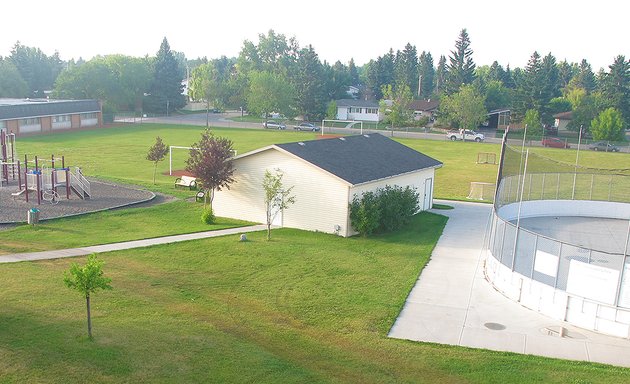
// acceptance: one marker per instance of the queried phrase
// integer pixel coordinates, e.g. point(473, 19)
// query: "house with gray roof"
point(325, 175)
point(32, 116)
point(361, 110)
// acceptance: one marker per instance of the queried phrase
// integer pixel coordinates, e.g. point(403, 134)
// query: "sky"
point(506, 31)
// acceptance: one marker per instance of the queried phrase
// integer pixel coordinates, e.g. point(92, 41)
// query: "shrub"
point(384, 210)
point(365, 213)
point(207, 216)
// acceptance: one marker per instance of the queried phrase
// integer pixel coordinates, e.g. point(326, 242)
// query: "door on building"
point(428, 194)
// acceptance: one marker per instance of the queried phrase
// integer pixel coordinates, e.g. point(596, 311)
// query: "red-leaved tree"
point(211, 162)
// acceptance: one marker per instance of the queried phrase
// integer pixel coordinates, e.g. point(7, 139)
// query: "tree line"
point(275, 74)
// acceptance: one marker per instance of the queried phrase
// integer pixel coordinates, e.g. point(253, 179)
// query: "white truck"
point(467, 135)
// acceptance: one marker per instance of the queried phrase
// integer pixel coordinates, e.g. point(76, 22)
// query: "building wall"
point(75, 121)
point(342, 113)
point(46, 123)
point(321, 199)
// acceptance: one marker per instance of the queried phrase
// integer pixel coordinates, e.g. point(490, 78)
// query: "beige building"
point(325, 175)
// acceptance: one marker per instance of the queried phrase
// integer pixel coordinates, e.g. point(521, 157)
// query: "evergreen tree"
point(386, 69)
point(461, 68)
point(372, 84)
point(566, 72)
point(508, 79)
point(550, 87)
point(427, 74)
point(166, 90)
point(496, 72)
point(616, 88)
point(310, 93)
point(407, 68)
point(338, 79)
point(584, 78)
point(440, 75)
point(353, 72)
point(530, 87)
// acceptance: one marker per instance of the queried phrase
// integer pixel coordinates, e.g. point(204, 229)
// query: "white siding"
point(342, 113)
point(321, 199)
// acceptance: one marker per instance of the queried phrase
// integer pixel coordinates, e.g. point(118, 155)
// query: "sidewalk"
point(452, 303)
point(72, 252)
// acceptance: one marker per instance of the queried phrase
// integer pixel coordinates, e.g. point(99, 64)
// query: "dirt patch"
point(178, 173)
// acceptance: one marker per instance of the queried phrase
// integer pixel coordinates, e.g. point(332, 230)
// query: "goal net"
point(341, 125)
point(486, 158)
point(481, 191)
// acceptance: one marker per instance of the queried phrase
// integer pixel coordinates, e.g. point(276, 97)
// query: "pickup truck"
point(468, 135)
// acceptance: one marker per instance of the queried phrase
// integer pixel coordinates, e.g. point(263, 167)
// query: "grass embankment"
point(304, 307)
point(110, 227)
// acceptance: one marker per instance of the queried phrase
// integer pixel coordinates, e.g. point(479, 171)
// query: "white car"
point(468, 135)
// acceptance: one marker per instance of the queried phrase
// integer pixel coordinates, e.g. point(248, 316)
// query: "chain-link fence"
point(532, 184)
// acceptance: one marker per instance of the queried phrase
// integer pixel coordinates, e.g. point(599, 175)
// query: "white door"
point(428, 194)
point(276, 212)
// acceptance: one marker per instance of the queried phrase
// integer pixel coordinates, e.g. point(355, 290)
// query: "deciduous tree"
point(466, 108)
point(87, 279)
point(269, 92)
point(277, 197)
point(608, 125)
point(157, 153)
point(211, 162)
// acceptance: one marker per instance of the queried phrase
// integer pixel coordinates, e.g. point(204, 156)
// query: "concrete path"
point(16, 257)
point(452, 303)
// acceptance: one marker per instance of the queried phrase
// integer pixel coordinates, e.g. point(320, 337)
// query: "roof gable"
point(362, 158)
point(424, 105)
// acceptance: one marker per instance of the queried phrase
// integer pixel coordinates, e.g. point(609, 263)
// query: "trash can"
point(33, 216)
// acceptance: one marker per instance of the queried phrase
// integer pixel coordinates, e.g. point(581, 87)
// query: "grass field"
point(110, 227)
point(305, 307)
point(122, 151)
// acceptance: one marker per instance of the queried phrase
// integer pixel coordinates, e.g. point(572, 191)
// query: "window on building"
point(85, 116)
point(30, 121)
point(372, 111)
point(3, 124)
point(61, 118)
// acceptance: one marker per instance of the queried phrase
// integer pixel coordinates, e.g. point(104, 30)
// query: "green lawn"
point(110, 227)
point(305, 307)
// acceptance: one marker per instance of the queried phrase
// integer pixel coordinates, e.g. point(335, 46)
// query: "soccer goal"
point(481, 191)
point(486, 158)
point(341, 124)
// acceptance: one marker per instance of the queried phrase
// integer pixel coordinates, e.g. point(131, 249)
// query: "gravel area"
point(105, 196)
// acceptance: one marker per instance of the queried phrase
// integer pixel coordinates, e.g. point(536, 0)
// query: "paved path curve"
point(452, 303)
point(72, 252)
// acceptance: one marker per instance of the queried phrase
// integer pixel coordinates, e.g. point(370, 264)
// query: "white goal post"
point(170, 156)
point(343, 123)
point(486, 158)
point(481, 191)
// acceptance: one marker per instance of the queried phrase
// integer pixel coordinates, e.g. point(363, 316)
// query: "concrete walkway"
point(452, 303)
point(72, 252)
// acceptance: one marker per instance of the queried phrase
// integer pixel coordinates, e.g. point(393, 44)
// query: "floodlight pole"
point(577, 157)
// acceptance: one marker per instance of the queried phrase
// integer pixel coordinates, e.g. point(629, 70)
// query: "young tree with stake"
point(87, 279)
point(157, 153)
point(276, 197)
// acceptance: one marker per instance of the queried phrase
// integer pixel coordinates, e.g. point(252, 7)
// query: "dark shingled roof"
point(27, 108)
point(357, 103)
point(362, 158)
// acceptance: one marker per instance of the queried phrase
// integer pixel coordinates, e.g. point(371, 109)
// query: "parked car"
point(306, 127)
point(468, 135)
point(604, 146)
point(270, 124)
point(554, 142)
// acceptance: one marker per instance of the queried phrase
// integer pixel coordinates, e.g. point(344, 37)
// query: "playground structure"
point(8, 157)
point(46, 181)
